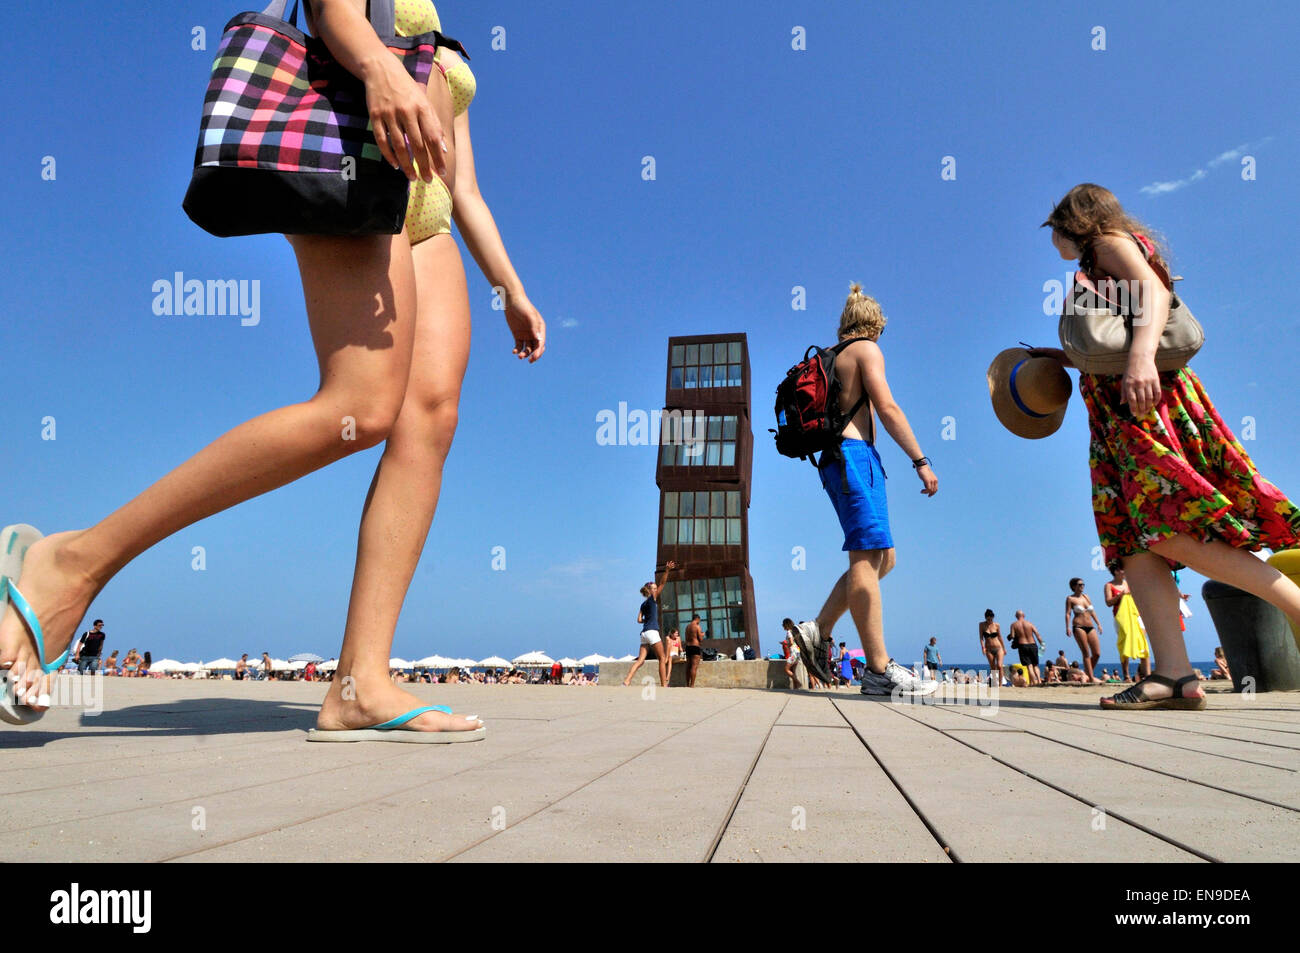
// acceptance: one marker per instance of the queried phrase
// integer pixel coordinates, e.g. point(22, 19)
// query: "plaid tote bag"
point(285, 142)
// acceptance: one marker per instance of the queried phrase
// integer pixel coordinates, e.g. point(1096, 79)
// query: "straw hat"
point(1029, 393)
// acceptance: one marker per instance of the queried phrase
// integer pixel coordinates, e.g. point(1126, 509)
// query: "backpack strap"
point(836, 453)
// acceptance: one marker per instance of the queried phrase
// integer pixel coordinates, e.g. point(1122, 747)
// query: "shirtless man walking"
point(1026, 640)
point(856, 487)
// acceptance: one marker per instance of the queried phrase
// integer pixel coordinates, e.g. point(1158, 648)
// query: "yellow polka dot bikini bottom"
point(428, 207)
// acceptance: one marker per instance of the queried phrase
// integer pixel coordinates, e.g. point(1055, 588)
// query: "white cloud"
point(1163, 188)
point(569, 323)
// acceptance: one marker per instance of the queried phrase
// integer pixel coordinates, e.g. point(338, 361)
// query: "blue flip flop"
point(14, 543)
point(393, 730)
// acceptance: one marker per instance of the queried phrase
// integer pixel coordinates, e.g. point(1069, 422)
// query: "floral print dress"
point(1179, 469)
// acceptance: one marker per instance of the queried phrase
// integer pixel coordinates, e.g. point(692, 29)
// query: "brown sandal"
point(1135, 699)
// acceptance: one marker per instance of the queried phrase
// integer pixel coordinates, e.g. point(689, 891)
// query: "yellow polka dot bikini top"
point(414, 17)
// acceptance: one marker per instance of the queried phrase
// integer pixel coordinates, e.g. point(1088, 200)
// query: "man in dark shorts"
point(1026, 640)
point(89, 648)
point(694, 650)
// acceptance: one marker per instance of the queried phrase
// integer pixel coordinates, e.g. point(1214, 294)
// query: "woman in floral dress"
point(1171, 485)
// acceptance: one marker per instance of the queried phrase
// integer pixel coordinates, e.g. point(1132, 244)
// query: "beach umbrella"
point(329, 666)
point(569, 662)
point(533, 659)
point(399, 663)
point(305, 657)
point(167, 665)
point(627, 658)
point(220, 664)
point(277, 665)
point(494, 661)
point(594, 659)
point(433, 661)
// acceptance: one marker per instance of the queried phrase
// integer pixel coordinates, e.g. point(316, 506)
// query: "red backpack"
point(808, 417)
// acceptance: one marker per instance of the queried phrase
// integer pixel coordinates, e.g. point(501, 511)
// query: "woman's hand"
point(527, 326)
point(1053, 352)
point(405, 125)
point(1140, 388)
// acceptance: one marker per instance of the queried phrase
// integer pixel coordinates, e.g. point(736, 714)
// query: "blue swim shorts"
point(863, 510)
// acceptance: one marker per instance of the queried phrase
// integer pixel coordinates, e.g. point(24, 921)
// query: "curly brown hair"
point(1089, 211)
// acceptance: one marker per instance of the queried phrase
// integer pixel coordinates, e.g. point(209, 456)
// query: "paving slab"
point(983, 810)
point(817, 795)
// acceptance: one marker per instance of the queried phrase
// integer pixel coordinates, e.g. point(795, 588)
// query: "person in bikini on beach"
point(1081, 622)
point(992, 646)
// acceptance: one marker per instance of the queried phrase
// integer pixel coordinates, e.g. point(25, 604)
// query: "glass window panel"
point(715, 428)
point(687, 507)
point(684, 531)
point(692, 354)
point(734, 347)
point(683, 598)
point(717, 532)
point(733, 375)
point(701, 587)
point(728, 454)
point(670, 503)
point(677, 378)
point(728, 427)
point(701, 531)
point(733, 590)
point(733, 532)
point(706, 353)
point(670, 531)
point(667, 454)
point(713, 455)
point(692, 376)
point(701, 504)
point(733, 503)
point(679, 354)
point(679, 452)
point(718, 624)
point(718, 503)
point(706, 376)
point(738, 623)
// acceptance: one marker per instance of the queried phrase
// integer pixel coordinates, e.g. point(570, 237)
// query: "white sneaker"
point(895, 678)
point(808, 635)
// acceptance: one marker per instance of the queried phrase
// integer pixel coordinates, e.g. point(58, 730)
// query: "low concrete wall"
point(722, 673)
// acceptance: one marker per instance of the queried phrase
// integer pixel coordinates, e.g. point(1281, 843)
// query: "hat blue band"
point(1015, 395)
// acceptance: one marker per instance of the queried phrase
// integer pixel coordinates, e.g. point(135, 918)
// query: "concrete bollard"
point(1287, 562)
point(1256, 639)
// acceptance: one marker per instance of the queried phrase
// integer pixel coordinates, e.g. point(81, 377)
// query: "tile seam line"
point(483, 840)
point(1209, 734)
point(413, 753)
point(1166, 744)
point(1141, 767)
point(740, 790)
point(1070, 794)
point(948, 850)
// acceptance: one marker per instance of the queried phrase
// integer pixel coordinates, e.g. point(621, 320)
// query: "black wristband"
point(920, 462)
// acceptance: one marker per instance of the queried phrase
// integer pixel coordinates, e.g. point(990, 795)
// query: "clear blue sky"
point(775, 168)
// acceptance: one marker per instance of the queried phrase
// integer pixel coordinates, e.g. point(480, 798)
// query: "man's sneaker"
point(808, 635)
point(895, 678)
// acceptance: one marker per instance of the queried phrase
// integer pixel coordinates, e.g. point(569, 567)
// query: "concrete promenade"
point(219, 771)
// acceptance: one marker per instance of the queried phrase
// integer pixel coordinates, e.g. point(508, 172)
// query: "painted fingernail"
point(44, 700)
